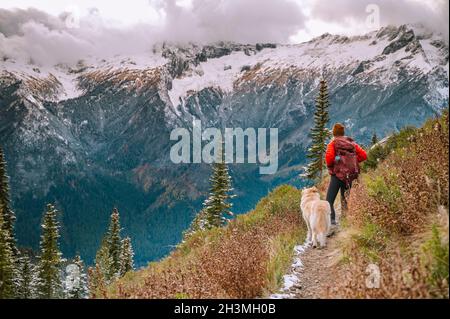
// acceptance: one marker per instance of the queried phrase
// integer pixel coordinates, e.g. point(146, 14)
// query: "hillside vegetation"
point(398, 218)
point(397, 222)
point(245, 259)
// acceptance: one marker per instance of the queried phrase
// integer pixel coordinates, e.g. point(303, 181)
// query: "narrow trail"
point(313, 270)
point(318, 270)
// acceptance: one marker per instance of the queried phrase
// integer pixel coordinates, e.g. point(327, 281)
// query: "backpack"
point(347, 168)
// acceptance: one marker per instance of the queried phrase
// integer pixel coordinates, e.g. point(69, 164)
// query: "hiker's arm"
point(330, 155)
point(361, 153)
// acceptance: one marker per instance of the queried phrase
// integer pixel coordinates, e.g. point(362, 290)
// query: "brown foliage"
point(403, 197)
point(231, 262)
point(412, 183)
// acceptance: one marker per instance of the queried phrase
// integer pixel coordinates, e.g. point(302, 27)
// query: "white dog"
point(317, 216)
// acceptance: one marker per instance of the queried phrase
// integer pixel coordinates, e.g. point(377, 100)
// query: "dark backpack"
point(347, 168)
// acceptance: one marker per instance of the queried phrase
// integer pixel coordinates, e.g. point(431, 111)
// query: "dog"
point(317, 216)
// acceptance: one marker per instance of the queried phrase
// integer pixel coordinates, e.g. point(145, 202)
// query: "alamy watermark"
point(190, 149)
point(373, 17)
point(373, 278)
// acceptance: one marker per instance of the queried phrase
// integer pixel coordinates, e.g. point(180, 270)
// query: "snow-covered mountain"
point(96, 134)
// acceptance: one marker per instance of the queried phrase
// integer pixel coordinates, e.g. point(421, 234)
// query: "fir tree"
point(76, 281)
point(217, 207)
point(319, 135)
point(114, 245)
point(96, 282)
point(7, 275)
point(9, 217)
point(198, 224)
point(49, 281)
point(374, 139)
point(126, 257)
point(26, 279)
point(102, 259)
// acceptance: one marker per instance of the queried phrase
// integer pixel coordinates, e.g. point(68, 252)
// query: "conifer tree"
point(7, 276)
point(217, 207)
point(126, 257)
point(96, 282)
point(26, 279)
point(9, 217)
point(114, 245)
point(49, 281)
point(76, 281)
point(103, 260)
point(319, 135)
point(198, 224)
point(374, 139)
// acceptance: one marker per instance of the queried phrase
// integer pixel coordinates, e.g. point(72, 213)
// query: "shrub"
point(436, 254)
point(391, 208)
point(242, 260)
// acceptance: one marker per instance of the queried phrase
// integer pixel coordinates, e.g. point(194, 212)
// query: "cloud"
point(431, 13)
point(247, 21)
point(34, 35)
point(45, 39)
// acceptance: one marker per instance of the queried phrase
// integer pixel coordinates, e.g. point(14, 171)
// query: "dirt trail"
point(313, 270)
point(318, 270)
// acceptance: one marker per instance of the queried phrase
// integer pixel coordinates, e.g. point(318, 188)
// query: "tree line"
point(51, 276)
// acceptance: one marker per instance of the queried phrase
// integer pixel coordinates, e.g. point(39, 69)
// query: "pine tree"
point(26, 279)
point(9, 217)
point(217, 207)
point(126, 257)
point(319, 135)
point(49, 281)
point(114, 245)
point(76, 281)
point(374, 139)
point(7, 276)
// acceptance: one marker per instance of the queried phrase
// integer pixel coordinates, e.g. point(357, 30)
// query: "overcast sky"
point(60, 31)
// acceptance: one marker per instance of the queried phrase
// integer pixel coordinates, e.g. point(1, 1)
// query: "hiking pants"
point(335, 186)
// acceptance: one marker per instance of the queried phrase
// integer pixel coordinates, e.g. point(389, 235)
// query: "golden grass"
point(398, 217)
point(245, 259)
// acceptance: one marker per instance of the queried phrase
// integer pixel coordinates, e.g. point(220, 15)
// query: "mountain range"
point(95, 135)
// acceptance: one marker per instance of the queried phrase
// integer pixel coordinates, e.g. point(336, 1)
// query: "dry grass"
point(246, 259)
point(399, 216)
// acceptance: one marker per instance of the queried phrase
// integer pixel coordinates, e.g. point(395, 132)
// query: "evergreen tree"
point(114, 245)
point(49, 281)
point(374, 139)
point(198, 224)
point(97, 282)
point(126, 257)
point(26, 280)
point(7, 275)
point(9, 217)
point(319, 135)
point(76, 281)
point(103, 260)
point(217, 207)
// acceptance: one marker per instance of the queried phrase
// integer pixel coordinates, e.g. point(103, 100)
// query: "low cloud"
point(431, 13)
point(38, 37)
point(44, 39)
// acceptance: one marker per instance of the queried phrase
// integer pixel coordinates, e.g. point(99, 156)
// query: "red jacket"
point(330, 155)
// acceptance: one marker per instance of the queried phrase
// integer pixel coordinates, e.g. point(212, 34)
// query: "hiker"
point(342, 157)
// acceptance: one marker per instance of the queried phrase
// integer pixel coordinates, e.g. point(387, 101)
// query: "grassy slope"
point(245, 259)
point(398, 218)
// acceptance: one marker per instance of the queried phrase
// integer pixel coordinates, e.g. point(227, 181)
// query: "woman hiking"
point(342, 157)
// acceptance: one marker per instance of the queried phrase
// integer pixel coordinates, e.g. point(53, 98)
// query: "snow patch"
point(292, 279)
